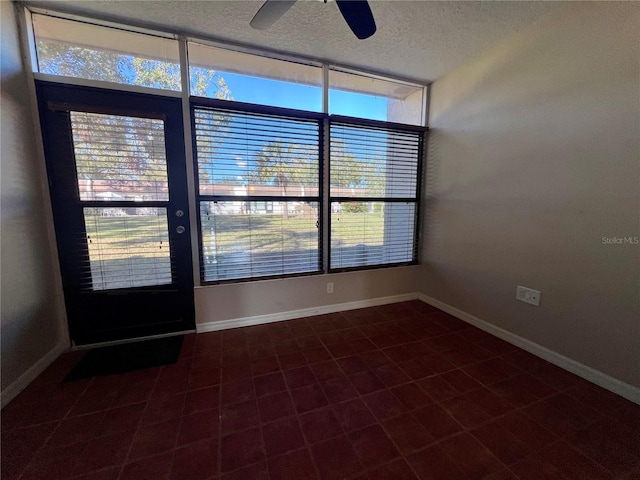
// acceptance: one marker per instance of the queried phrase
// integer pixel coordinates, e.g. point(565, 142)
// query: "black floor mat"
point(127, 357)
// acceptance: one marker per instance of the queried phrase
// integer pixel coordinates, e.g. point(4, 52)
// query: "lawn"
point(128, 251)
point(268, 233)
point(133, 250)
point(146, 236)
point(126, 236)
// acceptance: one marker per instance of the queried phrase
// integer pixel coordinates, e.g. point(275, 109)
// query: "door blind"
point(126, 251)
point(119, 158)
point(121, 169)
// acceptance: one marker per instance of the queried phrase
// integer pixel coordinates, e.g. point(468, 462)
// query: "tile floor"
point(396, 392)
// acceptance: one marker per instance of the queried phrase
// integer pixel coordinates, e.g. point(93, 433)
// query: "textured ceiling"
point(420, 40)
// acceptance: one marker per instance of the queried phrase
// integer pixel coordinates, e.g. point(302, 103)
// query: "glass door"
point(117, 178)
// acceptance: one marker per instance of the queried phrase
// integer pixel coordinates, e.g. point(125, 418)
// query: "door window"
point(119, 158)
point(122, 159)
point(127, 247)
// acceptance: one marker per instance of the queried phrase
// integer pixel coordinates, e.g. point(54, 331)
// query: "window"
point(254, 79)
point(119, 157)
point(120, 167)
point(83, 50)
point(127, 247)
point(373, 181)
point(260, 129)
point(369, 97)
point(258, 193)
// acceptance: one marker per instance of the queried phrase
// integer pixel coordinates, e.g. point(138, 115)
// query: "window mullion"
point(190, 167)
point(326, 205)
point(325, 88)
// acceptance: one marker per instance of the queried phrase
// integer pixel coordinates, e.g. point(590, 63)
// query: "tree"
point(118, 148)
point(204, 79)
point(284, 165)
point(70, 61)
point(362, 170)
point(350, 171)
point(110, 66)
point(346, 170)
point(140, 157)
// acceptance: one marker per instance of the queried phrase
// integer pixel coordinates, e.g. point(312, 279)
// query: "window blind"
point(126, 251)
point(374, 178)
point(119, 157)
point(121, 170)
point(258, 192)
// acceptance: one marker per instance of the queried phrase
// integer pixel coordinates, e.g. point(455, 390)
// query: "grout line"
point(383, 319)
point(45, 444)
point(137, 429)
point(219, 449)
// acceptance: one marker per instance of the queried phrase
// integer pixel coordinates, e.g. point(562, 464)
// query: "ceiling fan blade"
point(270, 12)
point(358, 16)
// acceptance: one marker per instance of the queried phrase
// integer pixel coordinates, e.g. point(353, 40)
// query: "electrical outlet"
point(528, 295)
point(330, 287)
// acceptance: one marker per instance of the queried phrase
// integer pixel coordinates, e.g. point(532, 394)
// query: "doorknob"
point(180, 229)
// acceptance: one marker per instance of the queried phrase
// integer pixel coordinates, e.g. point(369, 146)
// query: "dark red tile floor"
point(401, 391)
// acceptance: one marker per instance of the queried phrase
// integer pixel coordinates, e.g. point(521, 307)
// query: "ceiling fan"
point(356, 13)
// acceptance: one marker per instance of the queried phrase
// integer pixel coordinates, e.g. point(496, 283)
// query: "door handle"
point(180, 229)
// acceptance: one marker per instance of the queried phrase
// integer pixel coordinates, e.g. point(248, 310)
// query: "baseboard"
point(30, 375)
point(305, 312)
point(592, 375)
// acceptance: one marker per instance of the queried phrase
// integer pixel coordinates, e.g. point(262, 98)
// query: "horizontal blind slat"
point(119, 157)
point(373, 162)
point(124, 251)
point(265, 155)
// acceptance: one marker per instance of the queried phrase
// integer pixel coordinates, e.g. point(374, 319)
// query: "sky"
point(303, 97)
point(244, 88)
point(263, 91)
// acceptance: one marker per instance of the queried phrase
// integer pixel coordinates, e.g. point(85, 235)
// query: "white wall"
point(239, 300)
point(533, 158)
point(32, 323)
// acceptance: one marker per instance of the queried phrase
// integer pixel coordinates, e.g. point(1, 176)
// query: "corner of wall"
point(33, 329)
point(532, 167)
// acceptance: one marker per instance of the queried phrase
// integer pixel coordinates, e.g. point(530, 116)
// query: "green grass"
point(269, 233)
point(145, 236)
point(349, 229)
point(127, 236)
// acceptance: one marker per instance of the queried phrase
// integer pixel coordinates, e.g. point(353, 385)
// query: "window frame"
point(331, 67)
point(421, 133)
point(324, 119)
point(183, 40)
point(34, 59)
point(259, 54)
point(319, 118)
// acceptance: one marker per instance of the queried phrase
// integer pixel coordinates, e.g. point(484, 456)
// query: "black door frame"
point(106, 315)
